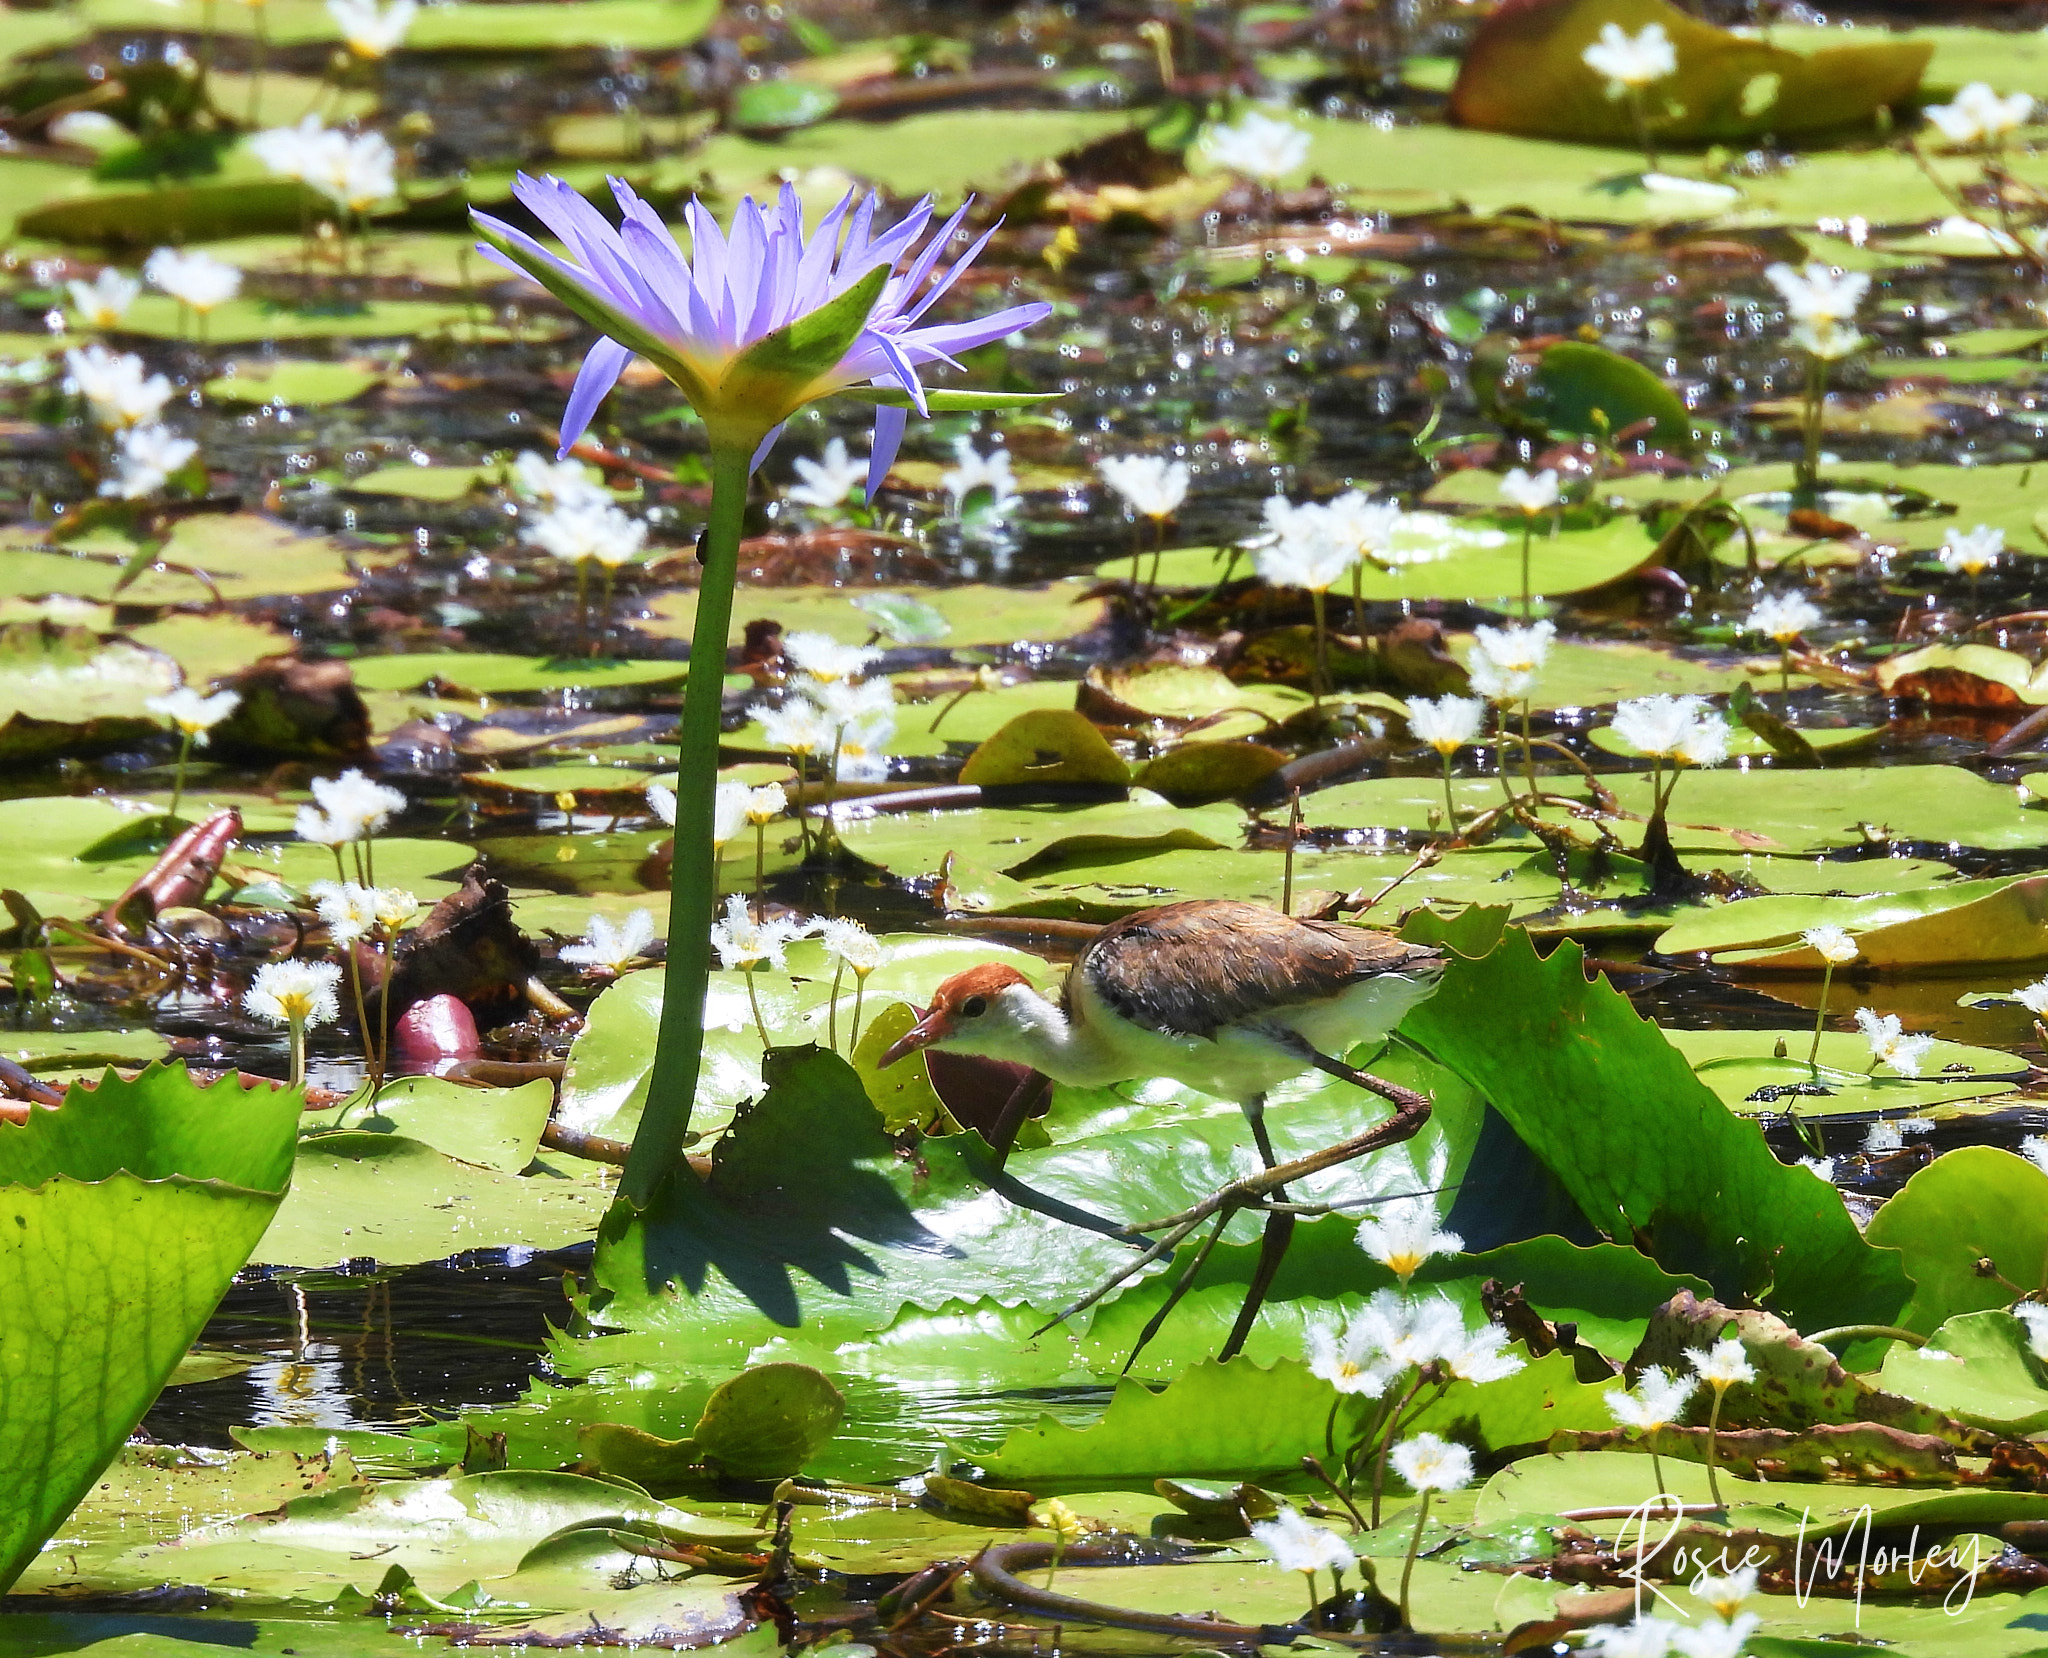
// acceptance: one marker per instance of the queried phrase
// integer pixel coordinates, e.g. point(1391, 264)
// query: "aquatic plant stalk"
point(1820, 1018)
point(178, 778)
point(1414, 1548)
point(1714, 1446)
point(1641, 117)
point(1808, 470)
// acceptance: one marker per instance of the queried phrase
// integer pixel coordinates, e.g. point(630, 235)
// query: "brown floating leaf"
point(1524, 74)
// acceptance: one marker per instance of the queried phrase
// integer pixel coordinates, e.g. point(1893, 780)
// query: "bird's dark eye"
point(974, 1007)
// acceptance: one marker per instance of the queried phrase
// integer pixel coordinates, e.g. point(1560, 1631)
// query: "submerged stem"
point(178, 781)
point(679, 1046)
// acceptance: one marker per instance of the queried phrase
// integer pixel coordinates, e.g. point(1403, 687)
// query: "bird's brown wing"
point(1190, 969)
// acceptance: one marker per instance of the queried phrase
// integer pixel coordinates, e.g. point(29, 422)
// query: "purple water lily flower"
point(695, 317)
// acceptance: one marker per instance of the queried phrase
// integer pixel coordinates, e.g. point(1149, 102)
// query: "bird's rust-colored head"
point(961, 999)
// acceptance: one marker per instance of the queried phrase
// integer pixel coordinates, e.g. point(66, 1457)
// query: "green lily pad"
point(1738, 1065)
point(1951, 928)
point(1980, 1368)
point(977, 615)
point(494, 1128)
point(1031, 839)
point(631, 25)
point(1747, 745)
point(1975, 1203)
point(310, 385)
point(133, 1206)
point(394, 1200)
point(486, 674)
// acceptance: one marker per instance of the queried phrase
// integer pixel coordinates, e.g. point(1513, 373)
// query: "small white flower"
point(1834, 944)
point(662, 800)
point(1724, 1595)
point(728, 810)
point(295, 993)
point(861, 751)
point(1151, 485)
point(1706, 744)
point(1972, 552)
point(2034, 998)
point(1889, 1044)
point(1448, 723)
point(829, 481)
point(1257, 146)
point(1829, 341)
point(144, 459)
point(594, 530)
point(1483, 1357)
point(192, 715)
point(972, 472)
point(1505, 661)
point(744, 943)
point(113, 384)
point(845, 701)
point(309, 823)
point(395, 908)
point(1817, 293)
point(563, 483)
point(296, 152)
point(354, 806)
point(93, 128)
point(1782, 617)
point(104, 301)
point(848, 941)
point(1345, 1360)
point(2035, 1317)
point(1883, 1137)
point(612, 949)
point(765, 804)
point(798, 727)
point(1645, 1638)
point(1715, 1640)
point(1656, 726)
point(1431, 1463)
point(1822, 1166)
point(1631, 60)
point(195, 279)
point(356, 173)
point(1979, 115)
point(1403, 1238)
point(1409, 1334)
point(348, 909)
point(825, 659)
point(370, 30)
point(1313, 549)
point(1658, 1400)
point(1298, 1546)
point(1722, 1365)
point(1367, 524)
point(1531, 493)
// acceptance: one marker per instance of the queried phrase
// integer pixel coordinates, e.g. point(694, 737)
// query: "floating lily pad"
point(494, 1128)
point(976, 615)
point(311, 385)
point(394, 1200)
point(485, 674)
point(1828, 741)
point(1972, 1204)
point(1740, 1067)
point(1981, 1368)
point(1949, 928)
point(636, 25)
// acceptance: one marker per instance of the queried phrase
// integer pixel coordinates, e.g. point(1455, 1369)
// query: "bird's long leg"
point(1181, 1286)
point(1272, 1244)
point(1157, 1252)
point(1002, 1137)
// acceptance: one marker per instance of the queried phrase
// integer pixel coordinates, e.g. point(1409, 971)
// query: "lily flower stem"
point(384, 1015)
point(1319, 598)
point(1785, 676)
point(583, 607)
point(1414, 1548)
point(1714, 1447)
point(760, 857)
point(860, 985)
point(1379, 1461)
point(604, 612)
point(368, 852)
point(1528, 751)
point(1816, 404)
point(832, 1017)
point(1820, 1019)
point(178, 779)
point(1528, 531)
point(298, 1042)
point(1641, 118)
point(1358, 600)
point(355, 982)
point(1656, 1463)
point(679, 1044)
point(754, 1002)
point(1158, 552)
point(1450, 800)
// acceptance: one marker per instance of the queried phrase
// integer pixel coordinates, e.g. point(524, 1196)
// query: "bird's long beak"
point(933, 1025)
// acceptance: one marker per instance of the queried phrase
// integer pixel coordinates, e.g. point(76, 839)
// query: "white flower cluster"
point(829, 712)
point(104, 301)
point(1314, 545)
point(828, 481)
point(145, 457)
point(1980, 116)
point(1446, 724)
point(1821, 304)
point(1257, 146)
point(372, 31)
point(1150, 485)
point(1722, 1636)
point(1782, 617)
point(117, 386)
point(347, 808)
point(1631, 62)
point(1972, 552)
point(973, 473)
point(354, 172)
point(1890, 1046)
point(1680, 729)
point(296, 993)
point(192, 714)
point(352, 911)
point(1505, 661)
point(194, 279)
